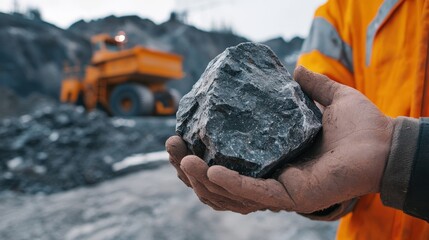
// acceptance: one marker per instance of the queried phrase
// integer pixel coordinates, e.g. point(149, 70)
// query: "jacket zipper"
point(426, 69)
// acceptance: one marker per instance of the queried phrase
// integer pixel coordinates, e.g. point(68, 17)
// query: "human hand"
point(346, 161)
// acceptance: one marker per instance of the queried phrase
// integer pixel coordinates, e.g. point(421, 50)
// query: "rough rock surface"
point(247, 113)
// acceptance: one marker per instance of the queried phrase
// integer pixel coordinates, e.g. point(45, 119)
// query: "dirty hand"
point(346, 161)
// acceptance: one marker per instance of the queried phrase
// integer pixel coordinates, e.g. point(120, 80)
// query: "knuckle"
point(173, 161)
point(204, 200)
point(245, 211)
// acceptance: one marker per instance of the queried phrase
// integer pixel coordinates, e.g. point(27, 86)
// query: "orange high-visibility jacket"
point(379, 47)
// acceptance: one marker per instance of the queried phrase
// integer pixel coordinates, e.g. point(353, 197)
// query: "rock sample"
point(247, 113)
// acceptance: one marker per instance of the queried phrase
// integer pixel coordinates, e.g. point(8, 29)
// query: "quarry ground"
point(150, 204)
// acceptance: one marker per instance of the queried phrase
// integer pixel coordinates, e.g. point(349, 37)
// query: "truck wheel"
point(129, 100)
point(176, 96)
point(169, 99)
point(80, 100)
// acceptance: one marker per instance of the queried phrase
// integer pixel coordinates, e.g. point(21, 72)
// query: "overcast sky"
point(257, 20)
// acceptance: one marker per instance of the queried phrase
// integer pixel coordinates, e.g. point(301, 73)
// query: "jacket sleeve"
point(405, 183)
point(328, 51)
point(328, 47)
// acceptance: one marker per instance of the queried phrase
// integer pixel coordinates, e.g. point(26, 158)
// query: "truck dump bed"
point(140, 63)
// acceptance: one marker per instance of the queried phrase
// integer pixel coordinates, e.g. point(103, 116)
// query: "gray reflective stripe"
point(325, 38)
point(375, 24)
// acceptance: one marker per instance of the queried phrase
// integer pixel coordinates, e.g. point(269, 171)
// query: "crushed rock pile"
point(59, 147)
point(12, 105)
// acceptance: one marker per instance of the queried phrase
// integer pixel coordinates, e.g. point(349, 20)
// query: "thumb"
point(319, 87)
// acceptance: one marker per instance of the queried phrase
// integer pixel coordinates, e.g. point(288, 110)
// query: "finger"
point(217, 202)
point(196, 167)
point(202, 198)
point(268, 192)
point(320, 107)
point(177, 150)
point(196, 171)
point(319, 87)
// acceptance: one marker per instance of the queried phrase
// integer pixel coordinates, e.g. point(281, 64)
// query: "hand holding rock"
point(347, 161)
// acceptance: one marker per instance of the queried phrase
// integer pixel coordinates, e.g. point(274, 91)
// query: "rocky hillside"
point(198, 47)
point(33, 53)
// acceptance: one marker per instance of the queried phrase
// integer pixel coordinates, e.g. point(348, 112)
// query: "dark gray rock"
point(247, 113)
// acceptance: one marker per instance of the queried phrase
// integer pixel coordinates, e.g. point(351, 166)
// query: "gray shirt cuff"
point(394, 183)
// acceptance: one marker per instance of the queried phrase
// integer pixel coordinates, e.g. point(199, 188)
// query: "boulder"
point(247, 113)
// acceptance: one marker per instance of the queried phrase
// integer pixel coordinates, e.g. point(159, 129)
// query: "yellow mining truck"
point(124, 82)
